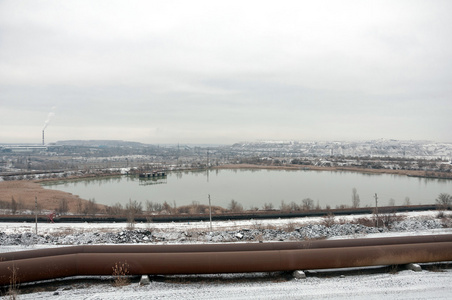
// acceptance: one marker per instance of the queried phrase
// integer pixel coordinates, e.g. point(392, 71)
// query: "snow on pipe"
point(194, 259)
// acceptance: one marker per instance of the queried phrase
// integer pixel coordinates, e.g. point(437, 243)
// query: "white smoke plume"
point(49, 117)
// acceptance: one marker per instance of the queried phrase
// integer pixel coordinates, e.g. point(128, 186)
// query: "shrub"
point(444, 201)
point(134, 207)
point(116, 209)
point(328, 220)
point(13, 290)
point(121, 274)
point(290, 227)
point(388, 220)
point(267, 206)
point(151, 206)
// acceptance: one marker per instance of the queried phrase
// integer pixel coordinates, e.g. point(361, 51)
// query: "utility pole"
point(210, 214)
point(36, 214)
point(207, 166)
point(376, 208)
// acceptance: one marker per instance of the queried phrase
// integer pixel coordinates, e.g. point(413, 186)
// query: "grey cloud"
point(228, 70)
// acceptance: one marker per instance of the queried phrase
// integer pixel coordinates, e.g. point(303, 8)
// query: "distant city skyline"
point(222, 72)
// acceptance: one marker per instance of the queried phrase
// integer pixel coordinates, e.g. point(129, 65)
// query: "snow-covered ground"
point(404, 284)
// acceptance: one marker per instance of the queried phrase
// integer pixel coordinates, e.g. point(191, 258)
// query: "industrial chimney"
point(43, 137)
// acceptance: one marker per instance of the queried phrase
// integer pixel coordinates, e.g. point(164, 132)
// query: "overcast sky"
point(225, 71)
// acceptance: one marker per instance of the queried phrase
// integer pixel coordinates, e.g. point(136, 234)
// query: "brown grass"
point(290, 227)
point(13, 290)
point(24, 193)
point(121, 274)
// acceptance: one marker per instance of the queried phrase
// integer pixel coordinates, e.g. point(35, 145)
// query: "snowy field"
point(403, 284)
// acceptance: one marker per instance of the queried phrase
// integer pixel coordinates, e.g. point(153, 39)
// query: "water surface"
point(254, 188)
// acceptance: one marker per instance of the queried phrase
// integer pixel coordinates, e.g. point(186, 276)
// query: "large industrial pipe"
point(221, 258)
point(310, 244)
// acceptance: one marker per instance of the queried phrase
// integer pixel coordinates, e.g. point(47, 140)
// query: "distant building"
point(22, 149)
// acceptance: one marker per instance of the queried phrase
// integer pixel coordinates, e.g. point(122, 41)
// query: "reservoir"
point(257, 187)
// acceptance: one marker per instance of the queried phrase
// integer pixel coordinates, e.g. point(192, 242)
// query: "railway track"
point(99, 260)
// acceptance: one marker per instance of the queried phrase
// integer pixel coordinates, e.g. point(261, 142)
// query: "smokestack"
point(43, 137)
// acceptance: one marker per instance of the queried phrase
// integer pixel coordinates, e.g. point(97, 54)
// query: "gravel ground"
point(23, 234)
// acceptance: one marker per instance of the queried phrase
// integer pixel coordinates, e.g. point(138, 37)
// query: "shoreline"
point(411, 173)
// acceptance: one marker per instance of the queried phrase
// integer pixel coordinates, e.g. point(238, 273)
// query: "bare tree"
point(307, 203)
point(151, 206)
point(167, 208)
point(63, 207)
point(79, 206)
point(13, 205)
point(295, 207)
point(134, 207)
point(444, 201)
point(116, 209)
point(407, 201)
point(267, 206)
point(317, 206)
point(284, 207)
point(234, 206)
point(91, 207)
point(253, 207)
point(355, 198)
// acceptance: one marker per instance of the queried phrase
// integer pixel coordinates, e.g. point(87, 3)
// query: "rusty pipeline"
point(44, 264)
point(307, 244)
